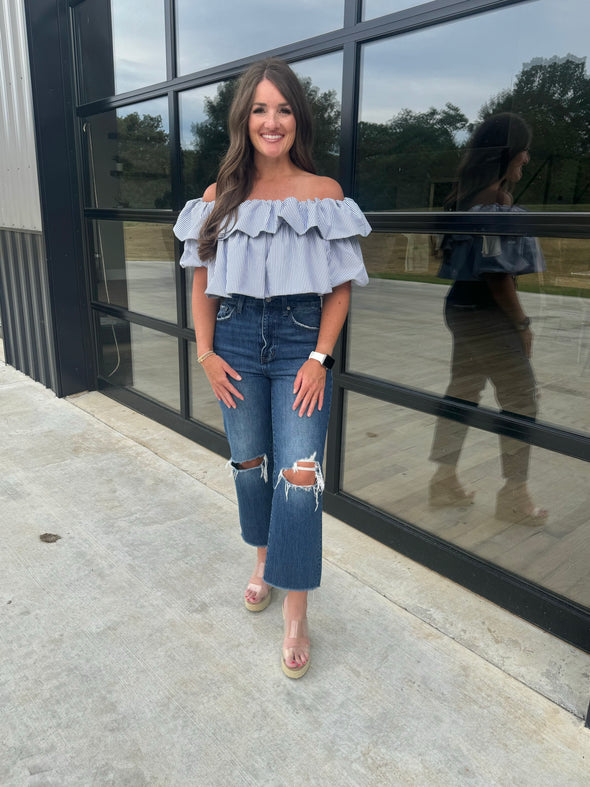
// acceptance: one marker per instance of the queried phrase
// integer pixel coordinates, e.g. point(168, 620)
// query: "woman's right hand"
point(218, 373)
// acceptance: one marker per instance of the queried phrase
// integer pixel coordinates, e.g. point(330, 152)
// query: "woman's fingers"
point(217, 371)
point(309, 388)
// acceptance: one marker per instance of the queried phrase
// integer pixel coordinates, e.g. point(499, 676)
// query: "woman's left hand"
point(309, 387)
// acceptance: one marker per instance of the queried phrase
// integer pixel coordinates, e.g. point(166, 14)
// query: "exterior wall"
point(24, 298)
point(19, 186)
point(25, 305)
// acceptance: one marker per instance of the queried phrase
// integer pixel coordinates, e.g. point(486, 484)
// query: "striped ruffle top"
point(279, 247)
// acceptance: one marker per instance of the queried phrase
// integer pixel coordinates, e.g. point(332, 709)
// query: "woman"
point(275, 249)
point(492, 338)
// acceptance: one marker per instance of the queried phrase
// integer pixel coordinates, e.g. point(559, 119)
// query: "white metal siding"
point(19, 186)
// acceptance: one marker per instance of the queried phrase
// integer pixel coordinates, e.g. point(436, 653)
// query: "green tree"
point(142, 160)
point(553, 96)
point(401, 163)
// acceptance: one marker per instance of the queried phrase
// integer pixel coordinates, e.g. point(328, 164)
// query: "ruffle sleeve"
point(188, 228)
point(280, 247)
point(468, 257)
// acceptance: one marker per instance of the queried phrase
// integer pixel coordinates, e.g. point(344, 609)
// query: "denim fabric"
point(266, 341)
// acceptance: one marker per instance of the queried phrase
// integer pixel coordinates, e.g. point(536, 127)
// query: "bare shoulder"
point(327, 188)
point(210, 193)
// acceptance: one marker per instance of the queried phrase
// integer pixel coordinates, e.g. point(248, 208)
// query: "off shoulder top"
point(467, 257)
point(279, 247)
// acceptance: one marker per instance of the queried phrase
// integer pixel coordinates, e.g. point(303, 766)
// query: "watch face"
point(328, 362)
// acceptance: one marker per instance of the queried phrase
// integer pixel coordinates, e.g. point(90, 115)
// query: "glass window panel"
point(205, 39)
point(204, 405)
point(134, 267)
point(375, 8)
point(129, 155)
point(121, 44)
point(140, 359)
point(421, 94)
point(204, 137)
point(386, 452)
point(322, 81)
point(204, 112)
point(404, 306)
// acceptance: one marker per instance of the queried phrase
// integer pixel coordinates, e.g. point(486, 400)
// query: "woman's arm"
point(503, 289)
point(204, 316)
point(311, 378)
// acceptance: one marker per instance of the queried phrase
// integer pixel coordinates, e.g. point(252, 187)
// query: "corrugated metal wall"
point(24, 300)
point(25, 310)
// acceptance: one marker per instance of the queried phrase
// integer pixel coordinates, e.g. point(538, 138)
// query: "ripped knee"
point(306, 474)
point(249, 464)
point(301, 474)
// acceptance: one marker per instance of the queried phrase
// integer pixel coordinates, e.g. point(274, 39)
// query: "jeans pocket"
point(307, 317)
point(225, 311)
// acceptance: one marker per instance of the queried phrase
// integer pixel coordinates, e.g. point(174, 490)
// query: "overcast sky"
point(465, 62)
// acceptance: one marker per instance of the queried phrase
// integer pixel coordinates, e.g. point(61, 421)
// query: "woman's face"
point(271, 125)
point(514, 171)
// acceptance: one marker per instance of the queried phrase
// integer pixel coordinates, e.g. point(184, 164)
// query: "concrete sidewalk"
point(127, 657)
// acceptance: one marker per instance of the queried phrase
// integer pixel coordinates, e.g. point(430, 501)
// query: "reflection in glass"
point(322, 79)
point(404, 303)
point(129, 155)
point(422, 93)
point(206, 39)
point(204, 137)
point(134, 267)
point(140, 359)
point(204, 405)
point(385, 451)
point(375, 8)
point(122, 46)
point(204, 114)
point(492, 338)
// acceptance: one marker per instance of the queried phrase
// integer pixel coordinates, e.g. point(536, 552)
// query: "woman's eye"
point(285, 111)
point(257, 111)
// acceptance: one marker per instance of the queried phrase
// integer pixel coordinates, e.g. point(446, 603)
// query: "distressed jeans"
point(266, 341)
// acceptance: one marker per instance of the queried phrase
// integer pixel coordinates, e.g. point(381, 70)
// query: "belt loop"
point(285, 299)
point(240, 304)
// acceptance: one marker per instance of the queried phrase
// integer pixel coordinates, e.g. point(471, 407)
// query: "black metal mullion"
point(534, 223)
point(352, 12)
point(121, 313)
point(543, 435)
point(131, 214)
point(170, 31)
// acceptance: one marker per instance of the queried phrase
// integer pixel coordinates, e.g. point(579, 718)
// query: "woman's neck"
point(277, 179)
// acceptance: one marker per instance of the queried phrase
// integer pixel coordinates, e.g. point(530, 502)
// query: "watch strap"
point(323, 358)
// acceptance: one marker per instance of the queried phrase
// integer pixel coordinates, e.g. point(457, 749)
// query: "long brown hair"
point(488, 153)
point(236, 174)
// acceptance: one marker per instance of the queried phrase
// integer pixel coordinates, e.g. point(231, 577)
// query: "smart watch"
point(325, 359)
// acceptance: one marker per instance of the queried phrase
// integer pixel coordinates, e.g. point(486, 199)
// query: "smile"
point(272, 137)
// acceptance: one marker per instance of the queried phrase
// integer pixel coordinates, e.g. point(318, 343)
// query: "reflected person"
point(492, 338)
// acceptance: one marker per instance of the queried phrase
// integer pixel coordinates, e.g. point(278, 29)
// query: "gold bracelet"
point(201, 358)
